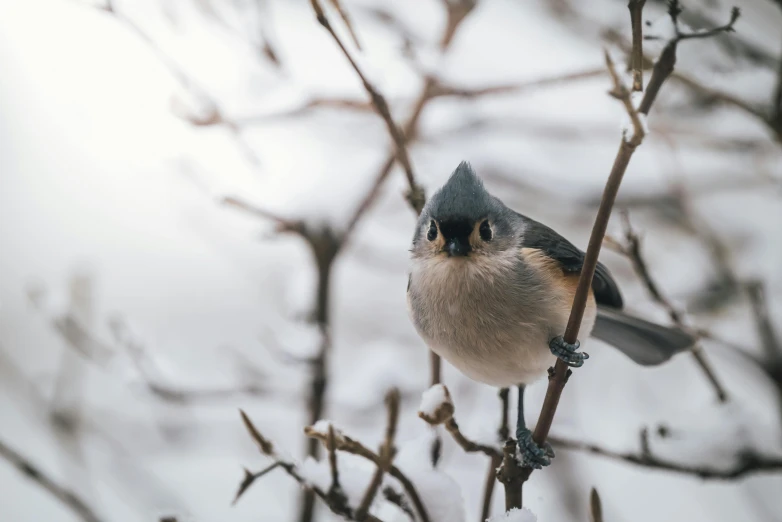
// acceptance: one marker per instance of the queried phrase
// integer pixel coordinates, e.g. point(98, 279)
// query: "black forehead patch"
point(460, 228)
point(462, 198)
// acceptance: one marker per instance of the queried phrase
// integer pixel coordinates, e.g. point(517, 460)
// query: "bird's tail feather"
point(646, 343)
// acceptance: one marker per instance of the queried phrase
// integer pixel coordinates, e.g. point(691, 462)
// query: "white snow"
point(433, 398)
point(514, 515)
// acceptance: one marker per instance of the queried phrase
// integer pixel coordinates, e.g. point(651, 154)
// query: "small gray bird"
point(490, 291)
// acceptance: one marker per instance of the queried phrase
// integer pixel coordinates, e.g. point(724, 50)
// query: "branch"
point(387, 452)
point(65, 496)
point(633, 250)
point(747, 462)
point(437, 408)
point(336, 502)
point(665, 64)
point(416, 194)
point(637, 57)
point(627, 147)
point(772, 346)
point(348, 22)
point(349, 445)
point(595, 506)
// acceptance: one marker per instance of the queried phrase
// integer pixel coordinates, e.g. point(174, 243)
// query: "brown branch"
point(387, 453)
point(250, 477)
point(776, 103)
point(595, 506)
point(511, 475)
point(637, 56)
point(747, 462)
point(347, 21)
point(416, 194)
point(488, 487)
point(349, 445)
point(443, 414)
point(64, 496)
point(331, 446)
point(336, 503)
point(772, 346)
point(633, 250)
point(627, 147)
point(667, 60)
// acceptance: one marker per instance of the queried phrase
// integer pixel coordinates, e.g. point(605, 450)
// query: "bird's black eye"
point(485, 231)
point(431, 235)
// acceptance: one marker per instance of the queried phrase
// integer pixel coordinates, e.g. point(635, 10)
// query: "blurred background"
point(138, 312)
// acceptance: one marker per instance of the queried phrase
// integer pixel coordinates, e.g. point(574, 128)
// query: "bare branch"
point(665, 63)
point(636, 58)
point(595, 506)
point(65, 496)
point(633, 250)
point(387, 452)
point(772, 346)
point(336, 503)
point(511, 475)
point(250, 477)
point(347, 20)
point(349, 445)
point(747, 462)
point(416, 194)
point(560, 373)
point(488, 487)
point(442, 413)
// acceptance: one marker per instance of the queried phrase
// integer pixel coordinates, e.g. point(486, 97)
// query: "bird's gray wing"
point(571, 259)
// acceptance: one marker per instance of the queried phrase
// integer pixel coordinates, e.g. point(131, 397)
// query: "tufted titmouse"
point(490, 291)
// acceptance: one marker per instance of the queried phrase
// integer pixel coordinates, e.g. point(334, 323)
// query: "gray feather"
point(646, 343)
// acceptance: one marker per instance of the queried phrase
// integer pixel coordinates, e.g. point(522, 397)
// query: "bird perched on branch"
point(491, 290)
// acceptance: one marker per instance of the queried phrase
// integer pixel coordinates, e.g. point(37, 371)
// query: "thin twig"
point(349, 445)
point(747, 462)
point(347, 20)
point(250, 477)
point(331, 446)
point(387, 452)
point(637, 56)
point(416, 194)
point(65, 496)
point(667, 60)
point(633, 250)
point(595, 506)
point(336, 503)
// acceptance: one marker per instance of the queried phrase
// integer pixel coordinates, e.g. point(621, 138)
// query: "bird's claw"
point(568, 352)
point(530, 454)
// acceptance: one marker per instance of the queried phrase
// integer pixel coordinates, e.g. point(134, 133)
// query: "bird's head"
point(462, 221)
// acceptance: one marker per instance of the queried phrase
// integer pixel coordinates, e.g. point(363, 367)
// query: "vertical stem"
point(557, 381)
point(637, 57)
point(325, 249)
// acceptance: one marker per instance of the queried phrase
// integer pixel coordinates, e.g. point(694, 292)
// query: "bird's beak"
point(456, 247)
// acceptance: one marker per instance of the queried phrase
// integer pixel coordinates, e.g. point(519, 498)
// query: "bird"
point(490, 291)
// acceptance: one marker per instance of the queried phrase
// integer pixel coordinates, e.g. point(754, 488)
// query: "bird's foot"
point(568, 352)
point(530, 454)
